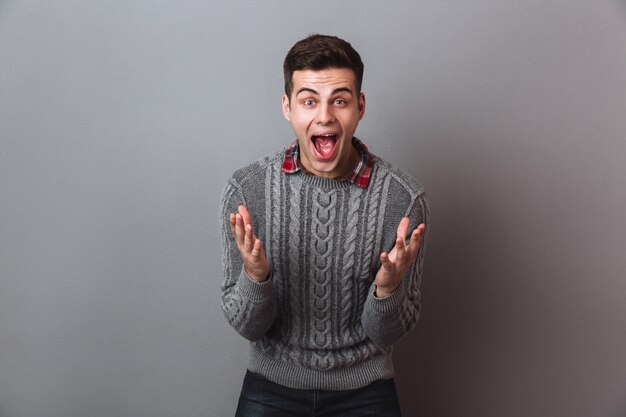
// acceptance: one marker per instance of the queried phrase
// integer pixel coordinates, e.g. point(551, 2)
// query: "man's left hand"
point(399, 259)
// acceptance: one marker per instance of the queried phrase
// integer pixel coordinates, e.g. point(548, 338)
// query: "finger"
point(256, 250)
point(403, 227)
point(418, 234)
point(244, 213)
point(232, 223)
point(415, 242)
point(400, 250)
point(239, 229)
point(249, 238)
point(386, 262)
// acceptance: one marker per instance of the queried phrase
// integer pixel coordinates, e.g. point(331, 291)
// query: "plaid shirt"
point(360, 175)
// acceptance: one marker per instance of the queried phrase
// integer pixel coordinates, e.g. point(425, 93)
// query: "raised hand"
point(399, 259)
point(254, 260)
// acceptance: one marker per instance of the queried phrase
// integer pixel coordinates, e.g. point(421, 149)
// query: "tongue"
point(324, 145)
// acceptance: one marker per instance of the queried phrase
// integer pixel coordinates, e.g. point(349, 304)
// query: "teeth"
point(332, 136)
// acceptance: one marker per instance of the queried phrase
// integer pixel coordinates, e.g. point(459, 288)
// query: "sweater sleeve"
point(249, 306)
point(386, 320)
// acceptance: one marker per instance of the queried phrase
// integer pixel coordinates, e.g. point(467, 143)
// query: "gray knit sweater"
point(315, 323)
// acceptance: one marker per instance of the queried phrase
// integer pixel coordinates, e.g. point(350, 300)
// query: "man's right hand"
point(254, 260)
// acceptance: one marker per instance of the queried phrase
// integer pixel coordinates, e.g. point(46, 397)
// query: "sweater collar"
point(360, 175)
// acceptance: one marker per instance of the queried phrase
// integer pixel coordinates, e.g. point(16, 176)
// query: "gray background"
point(120, 122)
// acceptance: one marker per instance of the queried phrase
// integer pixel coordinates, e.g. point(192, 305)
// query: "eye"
point(340, 102)
point(309, 102)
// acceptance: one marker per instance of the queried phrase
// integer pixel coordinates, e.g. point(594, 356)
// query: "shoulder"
point(404, 196)
point(254, 170)
point(247, 184)
point(400, 178)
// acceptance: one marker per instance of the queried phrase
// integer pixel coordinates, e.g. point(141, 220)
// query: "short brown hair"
point(318, 52)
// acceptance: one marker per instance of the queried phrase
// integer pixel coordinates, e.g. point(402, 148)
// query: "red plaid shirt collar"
point(360, 175)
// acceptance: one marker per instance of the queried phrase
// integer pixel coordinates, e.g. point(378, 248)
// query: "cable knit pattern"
point(369, 253)
point(315, 323)
point(349, 264)
point(372, 216)
point(295, 270)
point(274, 188)
point(322, 231)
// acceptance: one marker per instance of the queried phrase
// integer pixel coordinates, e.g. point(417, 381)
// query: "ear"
point(286, 109)
point(361, 105)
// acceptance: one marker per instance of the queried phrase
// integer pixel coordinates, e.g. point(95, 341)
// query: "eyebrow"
point(335, 91)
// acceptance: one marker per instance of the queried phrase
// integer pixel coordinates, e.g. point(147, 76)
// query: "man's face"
point(324, 110)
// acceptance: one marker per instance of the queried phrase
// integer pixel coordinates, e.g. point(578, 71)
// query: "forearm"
point(391, 311)
point(250, 306)
point(387, 319)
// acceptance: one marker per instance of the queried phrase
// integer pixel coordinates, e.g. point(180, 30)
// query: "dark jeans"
point(262, 398)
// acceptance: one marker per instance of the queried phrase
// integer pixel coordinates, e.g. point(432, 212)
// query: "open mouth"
point(324, 145)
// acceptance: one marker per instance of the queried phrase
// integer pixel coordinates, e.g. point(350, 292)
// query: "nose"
point(325, 114)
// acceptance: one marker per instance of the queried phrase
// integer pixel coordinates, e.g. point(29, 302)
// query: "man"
point(322, 252)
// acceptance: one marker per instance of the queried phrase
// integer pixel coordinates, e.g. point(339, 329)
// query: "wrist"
point(382, 292)
point(257, 277)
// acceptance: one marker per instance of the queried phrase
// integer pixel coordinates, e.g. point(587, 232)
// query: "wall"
point(120, 122)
